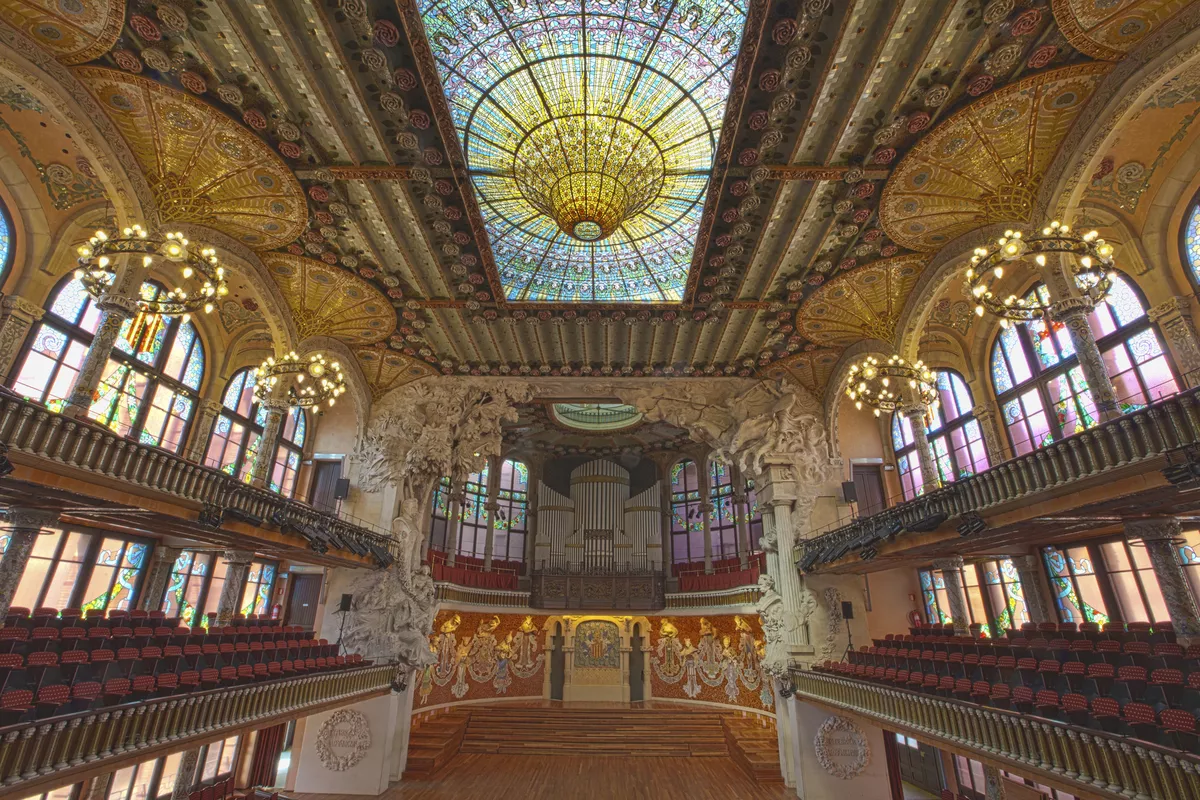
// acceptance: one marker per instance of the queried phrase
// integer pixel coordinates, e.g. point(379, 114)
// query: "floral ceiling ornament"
point(888, 385)
point(1087, 258)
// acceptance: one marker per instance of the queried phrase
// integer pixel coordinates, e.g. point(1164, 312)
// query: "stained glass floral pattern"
point(1191, 241)
point(955, 439)
point(237, 433)
point(6, 242)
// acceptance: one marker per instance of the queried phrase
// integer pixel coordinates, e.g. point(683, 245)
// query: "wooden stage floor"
point(473, 776)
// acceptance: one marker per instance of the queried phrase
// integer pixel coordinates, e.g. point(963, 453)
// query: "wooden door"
point(302, 600)
point(920, 765)
point(558, 663)
point(868, 485)
point(325, 478)
point(637, 666)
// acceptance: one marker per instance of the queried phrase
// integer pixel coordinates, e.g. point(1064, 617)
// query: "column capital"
point(238, 556)
point(1029, 560)
point(982, 411)
point(31, 519)
point(911, 410)
point(1070, 307)
point(1153, 529)
point(1171, 307)
point(117, 305)
point(212, 407)
point(19, 306)
point(951, 564)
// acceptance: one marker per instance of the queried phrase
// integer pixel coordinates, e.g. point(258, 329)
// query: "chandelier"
point(312, 382)
point(198, 265)
point(1089, 260)
point(888, 385)
point(589, 173)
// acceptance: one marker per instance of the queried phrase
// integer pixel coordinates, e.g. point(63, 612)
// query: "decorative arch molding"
point(32, 239)
point(38, 278)
point(837, 382)
point(356, 381)
point(55, 85)
point(1160, 237)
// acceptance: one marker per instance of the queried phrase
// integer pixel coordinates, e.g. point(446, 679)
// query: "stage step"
point(754, 747)
point(433, 742)
point(595, 732)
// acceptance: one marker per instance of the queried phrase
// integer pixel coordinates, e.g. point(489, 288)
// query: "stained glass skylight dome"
point(590, 129)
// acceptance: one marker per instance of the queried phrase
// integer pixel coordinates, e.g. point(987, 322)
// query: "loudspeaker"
point(348, 598)
point(847, 609)
point(849, 492)
point(341, 489)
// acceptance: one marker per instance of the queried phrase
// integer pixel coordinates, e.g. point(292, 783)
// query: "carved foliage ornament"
point(343, 740)
point(842, 749)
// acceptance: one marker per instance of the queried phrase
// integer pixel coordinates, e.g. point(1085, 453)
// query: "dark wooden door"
point(558, 664)
point(868, 485)
point(920, 765)
point(302, 600)
point(325, 478)
point(637, 666)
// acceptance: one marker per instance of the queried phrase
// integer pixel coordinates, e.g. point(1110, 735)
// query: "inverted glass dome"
point(596, 416)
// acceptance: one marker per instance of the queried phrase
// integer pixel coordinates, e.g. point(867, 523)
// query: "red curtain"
point(267, 748)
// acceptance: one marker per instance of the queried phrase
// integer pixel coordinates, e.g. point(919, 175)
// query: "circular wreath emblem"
point(841, 747)
point(343, 740)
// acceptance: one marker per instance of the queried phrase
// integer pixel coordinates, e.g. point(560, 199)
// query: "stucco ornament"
point(391, 616)
point(781, 626)
point(343, 740)
point(841, 748)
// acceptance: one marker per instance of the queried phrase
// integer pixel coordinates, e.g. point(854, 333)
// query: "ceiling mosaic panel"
point(985, 163)
point(863, 304)
point(1109, 29)
point(202, 166)
point(589, 132)
point(329, 301)
point(811, 369)
point(386, 370)
point(75, 31)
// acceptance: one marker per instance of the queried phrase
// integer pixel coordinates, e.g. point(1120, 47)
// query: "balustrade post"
point(915, 414)
point(1161, 537)
point(235, 579)
point(24, 525)
point(952, 574)
point(1033, 586)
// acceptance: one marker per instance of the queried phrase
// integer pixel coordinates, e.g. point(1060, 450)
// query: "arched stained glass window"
point(149, 386)
point(1041, 389)
point(955, 439)
point(687, 520)
point(473, 520)
point(510, 525)
point(723, 523)
point(1191, 241)
point(237, 435)
point(6, 242)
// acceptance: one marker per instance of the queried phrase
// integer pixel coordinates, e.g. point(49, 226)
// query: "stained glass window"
point(510, 524)
point(1191, 242)
point(473, 517)
point(687, 518)
point(1042, 391)
point(723, 517)
point(439, 516)
point(955, 438)
point(590, 132)
point(77, 569)
point(187, 586)
point(256, 594)
point(237, 434)
point(992, 589)
point(148, 389)
point(1077, 592)
point(6, 243)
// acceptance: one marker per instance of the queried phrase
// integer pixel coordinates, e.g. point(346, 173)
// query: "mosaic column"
point(201, 430)
point(238, 564)
point(706, 509)
point(1162, 536)
point(1034, 590)
point(952, 574)
point(996, 784)
point(185, 778)
point(155, 585)
point(98, 788)
point(1073, 313)
point(24, 525)
point(115, 310)
point(457, 499)
point(1174, 320)
point(493, 508)
point(915, 414)
point(264, 459)
point(17, 316)
point(993, 438)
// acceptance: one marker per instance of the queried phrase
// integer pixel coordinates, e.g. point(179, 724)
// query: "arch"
point(955, 438)
point(837, 384)
point(356, 382)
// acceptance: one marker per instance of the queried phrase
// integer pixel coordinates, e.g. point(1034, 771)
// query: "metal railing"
point(1171, 424)
point(1098, 762)
point(40, 755)
point(33, 430)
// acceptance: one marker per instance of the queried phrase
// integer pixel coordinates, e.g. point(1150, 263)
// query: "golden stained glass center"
point(589, 173)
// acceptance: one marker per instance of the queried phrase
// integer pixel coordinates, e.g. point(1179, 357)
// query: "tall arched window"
point(510, 524)
point(473, 525)
point(1191, 241)
point(723, 523)
point(955, 439)
point(1040, 386)
point(237, 436)
point(6, 242)
point(148, 389)
point(687, 520)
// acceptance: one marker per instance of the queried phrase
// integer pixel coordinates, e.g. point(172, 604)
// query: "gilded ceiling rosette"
point(74, 31)
point(203, 167)
point(862, 304)
point(1108, 29)
point(985, 163)
point(329, 301)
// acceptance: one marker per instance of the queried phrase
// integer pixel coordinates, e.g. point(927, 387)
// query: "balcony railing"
point(1083, 760)
point(41, 755)
point(1171, 424)
point(38, 436)
point(737, 596)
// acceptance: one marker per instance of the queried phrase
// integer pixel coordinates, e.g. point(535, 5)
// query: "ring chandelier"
point(1089, 259)
point(199, 267)
point(310, 383)
point(888, 385)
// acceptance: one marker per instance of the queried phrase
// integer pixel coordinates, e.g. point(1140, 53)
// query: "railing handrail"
point(1170, 424)
point(32, 429)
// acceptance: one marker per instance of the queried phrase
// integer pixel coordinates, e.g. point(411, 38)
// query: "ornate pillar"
point(201, 430)
point(1072, 313)
point(996, 784)
point(238, 562)
point(993, 439)
point(915, 414)
point(1034, 588)
point(24, 525)
point(185, 778)
point(777, 495)
point(706, 508)
point(457, 498)
point(1174, 319)
point(1161, 536)
point(493, 507)
point(155, 585)
point(531, 498)
point(17, 316)
point(668, 541)
point(741, 515)
point(98, 788)
point(952, 573)
point(115, 310)
point(264, 459)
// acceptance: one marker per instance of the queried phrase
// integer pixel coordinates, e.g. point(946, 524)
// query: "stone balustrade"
point(1169, 427)
point(452, 593)
point(717, 599)
point(39, 756)
point(36, 436)
point(1084, 761)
